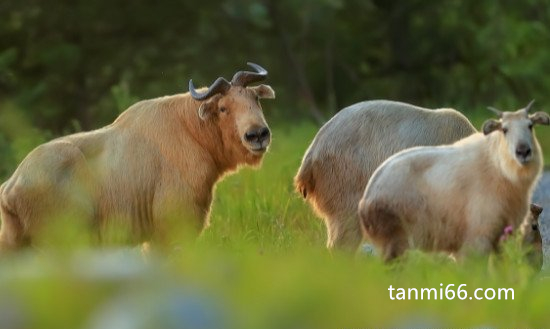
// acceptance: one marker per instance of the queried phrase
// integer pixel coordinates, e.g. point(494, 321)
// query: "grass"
point(262, 264)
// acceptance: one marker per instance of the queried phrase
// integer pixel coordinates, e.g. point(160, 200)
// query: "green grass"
point(262, 264)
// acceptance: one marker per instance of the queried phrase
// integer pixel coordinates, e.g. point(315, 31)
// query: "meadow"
point(67, 66)
point(262, 263)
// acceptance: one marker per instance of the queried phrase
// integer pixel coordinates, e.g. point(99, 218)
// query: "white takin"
point(347, 150)
point(456, 198)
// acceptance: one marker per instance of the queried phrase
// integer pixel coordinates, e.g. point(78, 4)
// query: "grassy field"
point(262, 264)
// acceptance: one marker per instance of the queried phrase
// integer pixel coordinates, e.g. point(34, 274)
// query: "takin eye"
point(504, 130)
point(222, 109)
point(535, 227)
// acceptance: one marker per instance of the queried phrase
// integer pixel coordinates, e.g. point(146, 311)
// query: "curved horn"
point(244, 78)
point(218, 87)
point(528, 107)
point(496, 111)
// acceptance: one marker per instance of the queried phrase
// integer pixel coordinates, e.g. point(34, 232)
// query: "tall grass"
point(262, 263)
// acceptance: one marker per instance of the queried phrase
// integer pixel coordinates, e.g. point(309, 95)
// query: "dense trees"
point(67, 65)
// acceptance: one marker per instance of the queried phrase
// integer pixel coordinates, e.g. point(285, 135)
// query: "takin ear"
point(491, 125)
point(535, 209)
point(264, 91)
point(207, 108)
point(540, 118)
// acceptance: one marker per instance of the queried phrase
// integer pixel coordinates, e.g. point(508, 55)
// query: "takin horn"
point(529, 106)
point(496, 111)
point(219, 86)
point(244, 78)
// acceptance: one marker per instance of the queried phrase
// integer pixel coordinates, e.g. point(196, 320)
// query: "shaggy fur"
point(157, 162)
point(341, 159)
point(454, 198)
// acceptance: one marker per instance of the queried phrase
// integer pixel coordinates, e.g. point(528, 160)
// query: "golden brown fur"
point(341, 159)
point(157, 162)
point(454, 198)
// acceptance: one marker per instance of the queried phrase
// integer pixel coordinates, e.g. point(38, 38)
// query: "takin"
point(455, 198)
point(152, 170)
point(531, 237)
point(345, 152)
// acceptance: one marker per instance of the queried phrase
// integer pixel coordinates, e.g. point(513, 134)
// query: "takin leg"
point(12, 234)
point(384, 228)
point(334, 198)
point(49, 187)
point(344, 232)
point(477, 245)
point(177, 217)
point(341, 220)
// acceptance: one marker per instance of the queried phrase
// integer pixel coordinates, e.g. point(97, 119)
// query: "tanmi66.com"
point(450, 292)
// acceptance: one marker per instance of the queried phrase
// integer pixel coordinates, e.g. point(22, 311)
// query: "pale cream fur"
point(157, 163)
point(455, 198)
point(341, 159)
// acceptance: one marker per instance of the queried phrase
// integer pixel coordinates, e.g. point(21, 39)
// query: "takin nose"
point(257, 135)
point(523, 151)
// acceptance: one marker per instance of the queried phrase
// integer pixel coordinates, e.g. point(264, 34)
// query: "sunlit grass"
point(261, 264)
point(260, 206)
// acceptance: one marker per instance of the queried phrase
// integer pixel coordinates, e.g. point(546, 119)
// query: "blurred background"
point(67, 66)
point(72, 65)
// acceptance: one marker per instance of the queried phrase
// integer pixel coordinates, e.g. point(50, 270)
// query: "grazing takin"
point(156, 163)
point(341, 159)
point(531, 238)
point(455, 198)
point(529, 235)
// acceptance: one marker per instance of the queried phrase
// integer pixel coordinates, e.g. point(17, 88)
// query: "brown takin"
point(341, 159)
point(531, 237)
point(455, 198)
point(156, 163)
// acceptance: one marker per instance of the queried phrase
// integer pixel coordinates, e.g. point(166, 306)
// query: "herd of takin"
point(392, 174)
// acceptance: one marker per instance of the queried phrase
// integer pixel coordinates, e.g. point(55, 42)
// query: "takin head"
point(517, 129)
point(235, 108)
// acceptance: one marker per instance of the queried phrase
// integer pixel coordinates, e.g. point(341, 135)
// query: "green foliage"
point(17, 138)
point(262, 209)
point(61, 61)
point(122, 97)
point(261, 264)
point(67, 66)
